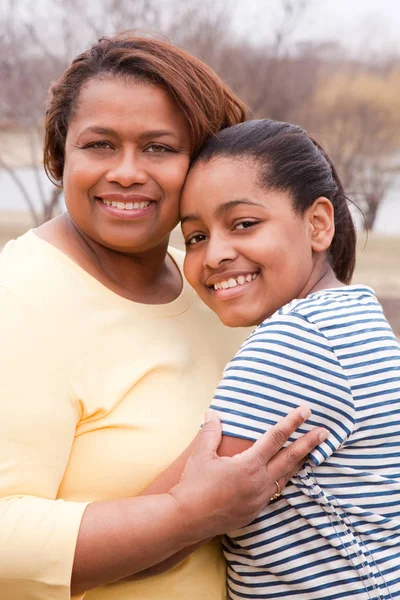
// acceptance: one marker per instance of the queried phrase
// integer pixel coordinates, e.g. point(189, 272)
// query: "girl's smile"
point(248, 252)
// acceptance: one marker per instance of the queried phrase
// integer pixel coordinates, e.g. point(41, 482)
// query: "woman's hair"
point(291, 161)
point(207, 103)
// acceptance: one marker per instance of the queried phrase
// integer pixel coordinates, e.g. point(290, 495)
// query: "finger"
point(286, 463)
point(209, 437)
point(283, 481)
point(273, 440)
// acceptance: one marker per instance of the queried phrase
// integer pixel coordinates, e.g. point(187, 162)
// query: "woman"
point(270, 242)
point(109, 359)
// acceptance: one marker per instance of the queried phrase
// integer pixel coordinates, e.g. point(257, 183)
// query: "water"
point(11, 199)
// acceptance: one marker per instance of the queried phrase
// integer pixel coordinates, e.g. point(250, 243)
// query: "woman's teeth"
point(232, 282)
point(126, 205)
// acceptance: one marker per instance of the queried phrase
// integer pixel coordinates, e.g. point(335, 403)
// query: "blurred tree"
point(349, 104)
point(37, 42)
point(357, 117)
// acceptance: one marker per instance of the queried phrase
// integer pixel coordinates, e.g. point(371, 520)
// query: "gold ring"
point(278, 492)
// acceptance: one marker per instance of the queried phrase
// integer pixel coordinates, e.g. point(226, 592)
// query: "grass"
point(378, 261)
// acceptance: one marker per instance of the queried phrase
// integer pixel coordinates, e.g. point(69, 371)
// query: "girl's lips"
point(125, 213)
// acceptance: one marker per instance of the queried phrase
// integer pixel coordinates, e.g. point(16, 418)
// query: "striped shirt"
point(335, 531)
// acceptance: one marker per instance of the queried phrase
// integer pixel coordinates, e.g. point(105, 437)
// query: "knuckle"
point(280, 436)
point(293, 456)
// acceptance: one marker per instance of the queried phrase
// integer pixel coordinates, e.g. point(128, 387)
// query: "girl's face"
point(247, 252)
point(126, 158)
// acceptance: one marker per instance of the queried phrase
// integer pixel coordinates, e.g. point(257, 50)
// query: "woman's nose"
point(127, 169)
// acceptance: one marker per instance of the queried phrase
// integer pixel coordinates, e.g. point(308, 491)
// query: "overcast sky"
point(363, 25)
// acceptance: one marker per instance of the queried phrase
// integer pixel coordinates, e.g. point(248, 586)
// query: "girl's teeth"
point(231, 282)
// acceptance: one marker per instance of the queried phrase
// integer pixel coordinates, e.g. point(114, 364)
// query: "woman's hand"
point(118, 538)
point(219, 494)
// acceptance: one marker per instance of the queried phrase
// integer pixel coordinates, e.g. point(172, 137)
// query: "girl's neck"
point(322, 278)
point(150, 277)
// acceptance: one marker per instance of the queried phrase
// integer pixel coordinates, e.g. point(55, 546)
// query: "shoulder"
point(178, 256)
point(320, 313)
point(341, 302)
point(24, 264)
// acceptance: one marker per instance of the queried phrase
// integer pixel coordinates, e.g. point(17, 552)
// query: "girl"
point(270, 242)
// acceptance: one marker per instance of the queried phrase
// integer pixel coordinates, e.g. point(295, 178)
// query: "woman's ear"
point(321, 219)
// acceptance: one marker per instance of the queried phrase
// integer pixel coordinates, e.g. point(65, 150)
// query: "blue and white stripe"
point(335, 532)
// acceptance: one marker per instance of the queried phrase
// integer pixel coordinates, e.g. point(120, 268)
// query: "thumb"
point(209, 437)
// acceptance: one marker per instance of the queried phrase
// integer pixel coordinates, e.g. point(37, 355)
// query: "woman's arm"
point(45, 540)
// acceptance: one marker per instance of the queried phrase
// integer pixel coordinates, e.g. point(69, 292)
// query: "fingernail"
point(305, 412)
point(208, 415)
point(323, 435)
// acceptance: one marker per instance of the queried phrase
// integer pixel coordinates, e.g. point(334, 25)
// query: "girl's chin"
point(235, 320)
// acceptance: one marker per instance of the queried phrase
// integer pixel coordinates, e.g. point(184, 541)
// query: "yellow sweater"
point(98, 395)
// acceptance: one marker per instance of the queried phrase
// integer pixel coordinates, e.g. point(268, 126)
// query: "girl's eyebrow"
point(223, 208)
point(227, 206)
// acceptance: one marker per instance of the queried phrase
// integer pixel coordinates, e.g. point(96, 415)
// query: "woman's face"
point(126, 158)
point(247, 252)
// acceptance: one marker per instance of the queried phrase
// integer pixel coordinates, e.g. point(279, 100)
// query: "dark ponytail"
point(342, 251)
point(291, 161)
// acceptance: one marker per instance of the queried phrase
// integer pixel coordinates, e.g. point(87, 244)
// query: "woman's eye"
point(99, 145)
point(195, 239)
point(157, 149)
point(245, 224)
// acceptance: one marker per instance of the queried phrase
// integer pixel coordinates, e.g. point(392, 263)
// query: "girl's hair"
point(207, 103)
point(291, 161)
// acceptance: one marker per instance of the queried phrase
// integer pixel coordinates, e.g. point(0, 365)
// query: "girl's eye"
point(245, 224)
point(195, 239)
point(157, 149)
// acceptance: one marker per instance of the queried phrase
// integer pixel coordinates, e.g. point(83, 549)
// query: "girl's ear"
point(322, 224)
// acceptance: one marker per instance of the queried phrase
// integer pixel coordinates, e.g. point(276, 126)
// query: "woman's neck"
point(149, 277)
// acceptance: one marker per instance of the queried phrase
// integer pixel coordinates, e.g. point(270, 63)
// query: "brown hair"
point(290, 160)
point(207, 103)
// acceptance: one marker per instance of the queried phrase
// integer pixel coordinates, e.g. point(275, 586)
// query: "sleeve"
point(38, 416)
point(286, 362)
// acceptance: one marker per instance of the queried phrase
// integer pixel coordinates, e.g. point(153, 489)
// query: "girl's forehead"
point(223, 170)
point(228, 182)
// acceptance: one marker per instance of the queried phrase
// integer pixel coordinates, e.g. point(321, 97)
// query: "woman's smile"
point(126, 206)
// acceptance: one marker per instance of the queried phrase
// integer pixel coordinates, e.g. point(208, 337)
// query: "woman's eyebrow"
point(159, 133)
point(99, 130)
point(145, 135)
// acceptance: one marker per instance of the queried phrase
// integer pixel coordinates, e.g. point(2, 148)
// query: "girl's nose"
point(218, 250)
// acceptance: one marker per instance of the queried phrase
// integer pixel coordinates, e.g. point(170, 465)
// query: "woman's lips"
point(126, 209)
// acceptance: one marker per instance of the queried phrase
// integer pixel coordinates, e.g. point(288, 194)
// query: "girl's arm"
point(286, 463)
